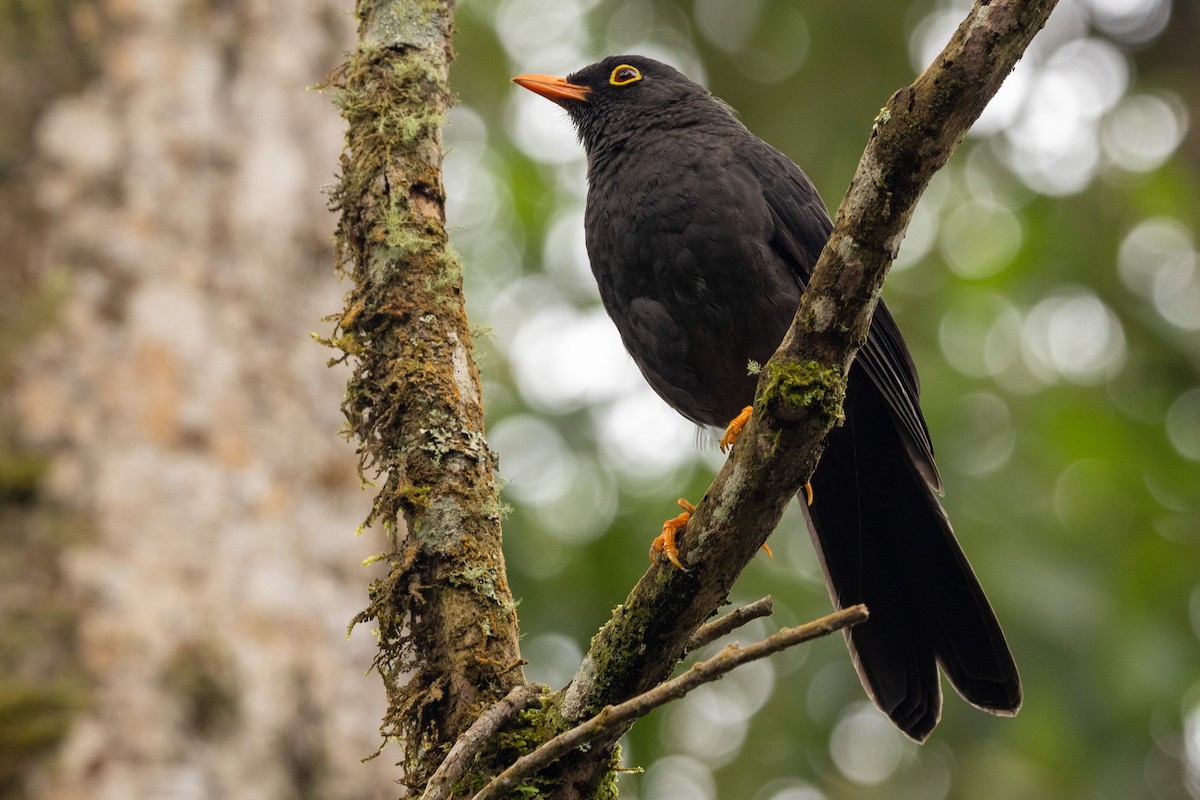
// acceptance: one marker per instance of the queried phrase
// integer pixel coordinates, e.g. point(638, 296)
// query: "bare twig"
point(610, 717)
point(711, 631)
point(475, 737)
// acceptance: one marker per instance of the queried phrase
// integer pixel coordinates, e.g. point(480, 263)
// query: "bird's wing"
point(802, 227)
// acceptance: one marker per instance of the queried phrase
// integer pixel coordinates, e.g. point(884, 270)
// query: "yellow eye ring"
point(624, 75)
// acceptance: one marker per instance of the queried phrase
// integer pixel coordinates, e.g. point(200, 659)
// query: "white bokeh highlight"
point(1075, 336)
point(865, 747)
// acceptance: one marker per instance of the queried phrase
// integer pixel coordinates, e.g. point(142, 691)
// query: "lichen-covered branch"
point(445, 615)
point(801, 388)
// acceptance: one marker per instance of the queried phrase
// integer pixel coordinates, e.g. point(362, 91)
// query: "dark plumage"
point(702, 237)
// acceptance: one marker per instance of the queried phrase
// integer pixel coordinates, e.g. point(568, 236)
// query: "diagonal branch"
point(621, 716)
point(800, 392)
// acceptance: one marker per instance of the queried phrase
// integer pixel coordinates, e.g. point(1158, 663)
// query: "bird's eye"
point(624, 75)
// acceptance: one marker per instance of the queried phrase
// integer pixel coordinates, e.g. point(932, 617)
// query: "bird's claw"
point(665, 543)
point(734, 429)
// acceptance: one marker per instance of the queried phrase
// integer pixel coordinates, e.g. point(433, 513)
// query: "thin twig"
point(475, 737)
point(711, 631)
point(731, 656)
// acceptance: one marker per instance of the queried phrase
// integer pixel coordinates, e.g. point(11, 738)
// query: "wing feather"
point(802, 226)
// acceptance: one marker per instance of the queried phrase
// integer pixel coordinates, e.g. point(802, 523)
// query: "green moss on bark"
point(444, 613)
point(794, 390)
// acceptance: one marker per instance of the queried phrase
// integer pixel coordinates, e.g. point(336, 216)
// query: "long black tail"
point(884, 540)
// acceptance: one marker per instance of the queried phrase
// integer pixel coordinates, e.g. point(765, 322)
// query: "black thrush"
point(702, 237)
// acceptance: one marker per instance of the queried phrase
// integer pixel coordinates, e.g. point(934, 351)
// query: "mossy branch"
point(446, 621)
point(471, 743)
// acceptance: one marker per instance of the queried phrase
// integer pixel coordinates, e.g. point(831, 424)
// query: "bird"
point(701, 238)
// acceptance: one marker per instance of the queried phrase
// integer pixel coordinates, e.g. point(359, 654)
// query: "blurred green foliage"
point(1050, 292)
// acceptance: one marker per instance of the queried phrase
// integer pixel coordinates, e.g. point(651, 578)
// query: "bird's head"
point(622, 95)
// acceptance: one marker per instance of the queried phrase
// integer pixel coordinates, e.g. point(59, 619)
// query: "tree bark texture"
point(446, 619)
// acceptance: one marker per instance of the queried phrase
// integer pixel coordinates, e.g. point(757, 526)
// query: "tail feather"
point(885, 541)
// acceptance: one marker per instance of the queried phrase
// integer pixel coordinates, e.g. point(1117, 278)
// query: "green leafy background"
point(1050, 291)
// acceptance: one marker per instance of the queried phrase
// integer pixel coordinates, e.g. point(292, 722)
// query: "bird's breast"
point(682, 259)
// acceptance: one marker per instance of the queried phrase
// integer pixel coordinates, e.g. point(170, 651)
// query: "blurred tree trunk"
point(170, 429)
point(40, 669)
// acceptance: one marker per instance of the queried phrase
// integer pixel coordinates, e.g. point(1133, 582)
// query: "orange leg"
point(665, 543)
point(734, 428)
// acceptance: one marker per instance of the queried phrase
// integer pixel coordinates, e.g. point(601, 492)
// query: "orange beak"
point(552, 88)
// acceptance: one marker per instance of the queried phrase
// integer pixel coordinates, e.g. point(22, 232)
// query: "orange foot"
point(665, 543)
point(734, 429)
